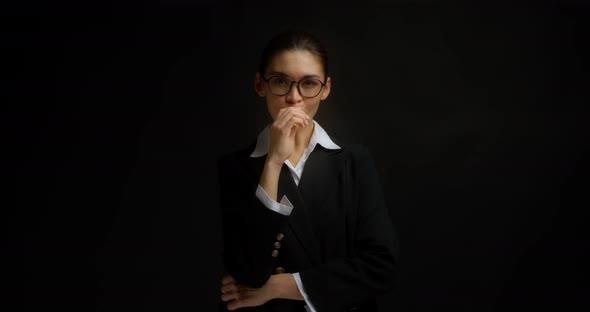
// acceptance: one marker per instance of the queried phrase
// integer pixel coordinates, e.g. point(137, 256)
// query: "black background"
point(114, 114)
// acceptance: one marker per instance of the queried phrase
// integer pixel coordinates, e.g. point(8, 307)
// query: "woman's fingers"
point(286, 116)
point(229, 288)
point(238, 296)
point(287, 124)
point(227, 279)
point(230, 295)
point(245, 297)
point(290, 118)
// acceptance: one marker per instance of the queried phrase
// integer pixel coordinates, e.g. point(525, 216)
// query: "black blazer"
point(339, 236)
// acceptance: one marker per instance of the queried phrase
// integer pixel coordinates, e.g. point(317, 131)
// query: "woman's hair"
point(293, 40)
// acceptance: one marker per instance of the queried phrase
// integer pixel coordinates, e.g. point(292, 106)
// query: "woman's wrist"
point(273, 162)
point(283, 286)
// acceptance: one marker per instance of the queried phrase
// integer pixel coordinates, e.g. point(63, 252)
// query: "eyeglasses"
point(307, 87)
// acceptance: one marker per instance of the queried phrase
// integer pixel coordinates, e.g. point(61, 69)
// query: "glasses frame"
point(291, 85)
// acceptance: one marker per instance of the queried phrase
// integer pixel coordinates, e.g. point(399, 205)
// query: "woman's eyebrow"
point(285, 75)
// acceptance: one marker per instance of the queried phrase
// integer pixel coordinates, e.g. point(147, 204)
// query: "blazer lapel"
point(319, 176)
point(299, 221)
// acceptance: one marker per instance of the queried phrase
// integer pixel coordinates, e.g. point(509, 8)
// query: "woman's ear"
point(327, 88)
point(259, 85)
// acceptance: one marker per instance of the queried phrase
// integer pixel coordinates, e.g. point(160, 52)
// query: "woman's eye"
point(310, 84)
point(280, 81)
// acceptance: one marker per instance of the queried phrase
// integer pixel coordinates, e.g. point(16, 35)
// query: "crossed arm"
point(278, 286)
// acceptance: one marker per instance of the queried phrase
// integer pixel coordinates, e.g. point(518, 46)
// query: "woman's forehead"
point(296, 63)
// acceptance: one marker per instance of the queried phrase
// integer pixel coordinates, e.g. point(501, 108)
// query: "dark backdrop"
point(117, 111)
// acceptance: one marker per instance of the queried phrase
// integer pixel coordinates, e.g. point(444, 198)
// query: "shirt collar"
point(319, 135)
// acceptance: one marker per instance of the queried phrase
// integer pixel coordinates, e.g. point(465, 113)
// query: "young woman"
point(305, 223)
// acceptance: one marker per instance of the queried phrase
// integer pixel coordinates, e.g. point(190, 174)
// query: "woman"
point(305, 223)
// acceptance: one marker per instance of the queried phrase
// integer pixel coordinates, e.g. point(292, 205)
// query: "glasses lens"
point(279, 85)
point(310, 87)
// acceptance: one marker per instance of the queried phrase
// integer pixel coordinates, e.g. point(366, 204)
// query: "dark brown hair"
point(293, 40)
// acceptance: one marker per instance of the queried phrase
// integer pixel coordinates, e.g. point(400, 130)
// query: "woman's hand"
point(277, 286)
point(282, 133)
point(240, 296)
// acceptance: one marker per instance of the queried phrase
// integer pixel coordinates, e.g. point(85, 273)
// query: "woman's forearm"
point(269, 181)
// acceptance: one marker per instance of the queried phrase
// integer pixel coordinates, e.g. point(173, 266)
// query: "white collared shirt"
point(319, 136)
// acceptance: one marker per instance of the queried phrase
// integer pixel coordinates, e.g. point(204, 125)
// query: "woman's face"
point(294, 65)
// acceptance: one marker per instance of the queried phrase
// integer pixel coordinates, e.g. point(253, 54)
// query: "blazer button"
point(280, 236)
point(279, 270)
point(275, 253)
point(277, 245)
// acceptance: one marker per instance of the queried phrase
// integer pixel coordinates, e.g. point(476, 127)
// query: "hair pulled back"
point(293, 40)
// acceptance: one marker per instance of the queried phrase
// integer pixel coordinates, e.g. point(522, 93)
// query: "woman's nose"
point(294, 97)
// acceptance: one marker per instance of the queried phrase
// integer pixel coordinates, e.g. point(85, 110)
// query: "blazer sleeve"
point(343, 283)
point(249, 228)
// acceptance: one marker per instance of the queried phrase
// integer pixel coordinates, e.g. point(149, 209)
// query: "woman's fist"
point(282, 133)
